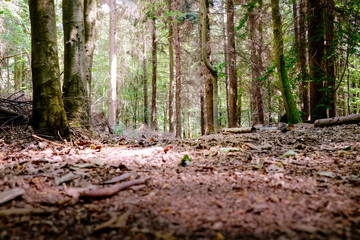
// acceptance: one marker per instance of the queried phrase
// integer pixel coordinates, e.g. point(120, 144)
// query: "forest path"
point(302, 184)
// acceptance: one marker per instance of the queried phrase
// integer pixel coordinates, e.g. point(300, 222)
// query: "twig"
point(45, 140)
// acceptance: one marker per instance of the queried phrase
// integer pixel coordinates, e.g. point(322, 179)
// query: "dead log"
point(350, 119)
point(238, 130)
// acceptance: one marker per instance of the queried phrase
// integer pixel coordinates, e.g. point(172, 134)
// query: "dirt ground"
point(301, 184)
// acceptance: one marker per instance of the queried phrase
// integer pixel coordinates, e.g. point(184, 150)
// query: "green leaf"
point(229, 149)
point(185, 161)
point(289, 153)
point(1, 12)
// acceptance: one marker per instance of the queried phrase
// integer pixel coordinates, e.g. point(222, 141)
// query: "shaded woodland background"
point(157, 41)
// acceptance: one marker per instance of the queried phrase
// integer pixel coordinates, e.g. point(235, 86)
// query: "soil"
point(300, 184)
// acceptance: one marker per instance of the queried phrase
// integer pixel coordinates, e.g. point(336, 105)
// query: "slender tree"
point(171, 67)
point(48, 110)
point(145, 78)
point(292, 111)
point(89, 21)
point(233, 116)
point(304, 85)
point(154, 124)
point(178, 75)
point(113, 65)
point(75, 86)
point(330, 56)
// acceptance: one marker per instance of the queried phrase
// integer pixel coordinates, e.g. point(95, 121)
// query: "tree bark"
point(154, 124)
point(226, 60)
point(304, 85)
point(233, 93)
point(255, 31)
point(113, 66)
point(316, 55)
point(16, 74)
point(330, 57)
point(75, 86)
point(178, 75)
point(49, 115)
point(289, 102)
point(145, 77)
point(89, 22)
point(171, 68)
point(208, 68)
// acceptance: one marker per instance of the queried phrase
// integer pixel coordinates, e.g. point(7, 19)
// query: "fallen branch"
point(350, 119)
point(45, 140)
point(110, 191)
point(238, 130)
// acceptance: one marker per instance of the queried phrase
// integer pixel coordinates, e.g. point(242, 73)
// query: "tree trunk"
point(316, 55)
point(154, 124)
point(226, 60)
point(233, 94)
point(75, 86)
point(8, 74)
point(49, 115)
point(171, 68)
point(89, 22)
point(304, 85)
point(202, 112)
point(16, 74)
point(208, 68)
point(290, 105)
point(255, 38)
point(146, 104)
point(178, 75)
point(113, 66)
point(330, 57)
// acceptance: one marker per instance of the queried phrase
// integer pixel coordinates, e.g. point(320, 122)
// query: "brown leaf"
point(10, 194)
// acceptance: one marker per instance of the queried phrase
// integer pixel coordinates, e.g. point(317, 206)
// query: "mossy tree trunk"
point(49, 116)
point(75, 88)
point(292, 111)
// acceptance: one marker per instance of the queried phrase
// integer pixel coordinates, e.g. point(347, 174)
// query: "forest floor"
point(301, 184)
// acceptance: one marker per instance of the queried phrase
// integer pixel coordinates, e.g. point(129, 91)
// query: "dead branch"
point(110, 191)
point(350, 119)
point(45, 140)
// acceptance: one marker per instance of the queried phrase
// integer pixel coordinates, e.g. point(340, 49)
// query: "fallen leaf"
point(66, 178)
point(326, 174)
point(229, 149)
point(10, 194)
point(289, 153)
point(253, 146)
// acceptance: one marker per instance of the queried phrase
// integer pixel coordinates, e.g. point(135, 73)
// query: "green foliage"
point(185, 161)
